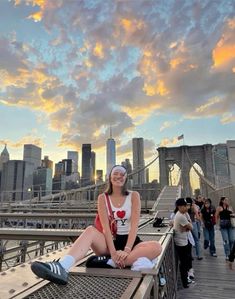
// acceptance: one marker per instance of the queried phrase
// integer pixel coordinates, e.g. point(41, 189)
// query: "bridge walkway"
point(213, 278)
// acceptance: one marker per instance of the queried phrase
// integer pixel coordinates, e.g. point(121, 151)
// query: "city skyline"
point(152, 69)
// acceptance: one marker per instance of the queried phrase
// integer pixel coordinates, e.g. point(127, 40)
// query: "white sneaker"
point(142, 263)
point(191, 274)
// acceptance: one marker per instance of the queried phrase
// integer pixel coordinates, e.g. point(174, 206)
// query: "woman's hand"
point(120, 258)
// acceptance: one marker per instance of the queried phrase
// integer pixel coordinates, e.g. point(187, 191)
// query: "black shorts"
point(121, 240)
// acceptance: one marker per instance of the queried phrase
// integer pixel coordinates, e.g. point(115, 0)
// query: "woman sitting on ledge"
point(127, 247)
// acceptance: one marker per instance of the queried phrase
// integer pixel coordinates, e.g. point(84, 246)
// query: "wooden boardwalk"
point(213, 278)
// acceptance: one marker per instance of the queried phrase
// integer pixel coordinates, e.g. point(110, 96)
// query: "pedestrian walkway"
point(213, 278)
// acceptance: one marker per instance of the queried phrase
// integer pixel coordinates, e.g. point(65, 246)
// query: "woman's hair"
point(109, 188)
point(222, 198)
point(208, 200)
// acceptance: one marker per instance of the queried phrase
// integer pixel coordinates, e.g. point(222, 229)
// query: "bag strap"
point(109, 205)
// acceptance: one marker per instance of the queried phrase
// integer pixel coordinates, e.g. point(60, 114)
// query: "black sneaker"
point(95, 261)
point(52, 271)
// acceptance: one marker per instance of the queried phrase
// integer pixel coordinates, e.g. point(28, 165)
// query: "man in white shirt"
point(182, 225)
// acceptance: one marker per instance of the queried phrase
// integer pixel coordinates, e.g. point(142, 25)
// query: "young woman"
point(121, 252)
point(194, 216)
point(208, 220)
point(223, 216)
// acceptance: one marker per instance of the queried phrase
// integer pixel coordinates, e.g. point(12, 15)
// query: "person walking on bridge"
point(182, 225)
point(223, 217)
point(124, 250)
point(208, 223)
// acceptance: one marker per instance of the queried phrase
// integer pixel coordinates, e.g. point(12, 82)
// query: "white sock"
point(111, 263)
point(67, 262)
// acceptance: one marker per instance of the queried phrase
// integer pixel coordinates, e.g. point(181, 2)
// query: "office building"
point(4, 157)
point(231, 159)
point(67, 166)
point(110, 154)
point(32, 154)
point(93, 161)
point(42, 181)
point(86, 164)
point(47, 163)
point(73, 155)
point(17, 180)
point(138, 161)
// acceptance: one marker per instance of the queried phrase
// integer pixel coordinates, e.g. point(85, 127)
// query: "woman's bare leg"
point(90, 238)
point(149, 249)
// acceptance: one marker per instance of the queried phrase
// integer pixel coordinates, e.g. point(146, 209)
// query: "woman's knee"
point(90, 230)
point(155, 247)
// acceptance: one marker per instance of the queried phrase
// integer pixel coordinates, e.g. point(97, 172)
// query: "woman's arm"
point(218, 210)
point(103, 214)
point(135, 216)
point(196, 211)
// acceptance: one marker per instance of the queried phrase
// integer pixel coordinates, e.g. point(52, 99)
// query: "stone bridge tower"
point(181, 156)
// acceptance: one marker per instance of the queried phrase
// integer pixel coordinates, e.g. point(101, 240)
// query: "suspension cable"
point(210, 184)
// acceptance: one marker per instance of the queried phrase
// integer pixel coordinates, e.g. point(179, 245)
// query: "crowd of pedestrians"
point(191, 216)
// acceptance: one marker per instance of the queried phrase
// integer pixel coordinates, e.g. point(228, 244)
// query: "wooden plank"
point(213, 278)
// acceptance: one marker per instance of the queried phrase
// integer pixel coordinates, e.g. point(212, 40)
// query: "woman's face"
point(226, 201)
point(118, 178)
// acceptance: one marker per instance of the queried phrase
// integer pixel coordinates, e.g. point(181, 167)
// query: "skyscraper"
point(138, 161)
point(4, 157)
point(73, 155)
point(32, 154)
point(93, 167)
point(42, 181)
point(86, 164)
point(17, 179)
point(46, 163)
point(110, 154)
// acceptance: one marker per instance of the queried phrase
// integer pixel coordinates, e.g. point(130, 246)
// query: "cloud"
point(102, 63)
point(166, 125)
point(28, 139)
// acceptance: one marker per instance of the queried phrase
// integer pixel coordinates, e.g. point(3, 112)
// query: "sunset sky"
point(155, 69)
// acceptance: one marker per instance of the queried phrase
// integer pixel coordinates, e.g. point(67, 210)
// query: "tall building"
point(17, 180)
point(46, 163)
point(93, 167)
point(42, 181)
point(86, 164)
point(4, 157)
point(231, 158)
point(32, 154)
point(59, 169)
point(73, 155)
point(138, 161)
point(110, 153)
point(221, 164)
point(67, 166)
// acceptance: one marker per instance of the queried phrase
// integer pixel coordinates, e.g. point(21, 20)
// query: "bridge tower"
point(184, 157)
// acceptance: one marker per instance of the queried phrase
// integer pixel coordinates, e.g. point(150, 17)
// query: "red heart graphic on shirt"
point(121, 214)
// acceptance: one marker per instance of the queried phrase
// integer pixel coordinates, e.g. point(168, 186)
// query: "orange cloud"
point(140, 114)
point(28, 139)
point(224, 51)
point(159, 89)
point(98, 50)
